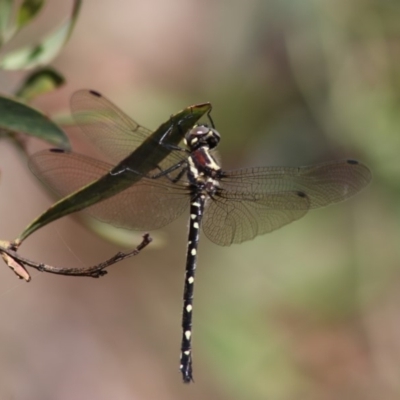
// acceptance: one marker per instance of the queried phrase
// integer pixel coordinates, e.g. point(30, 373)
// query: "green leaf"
point(44, 52)
point(5, 12)
point(28, 10)
point(17, 117)
point(142, 160)
point(39, 82)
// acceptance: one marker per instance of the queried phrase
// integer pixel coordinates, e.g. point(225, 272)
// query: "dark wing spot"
point(352, 162)
point(94, 93)
point(301, 194)
point(57, 151)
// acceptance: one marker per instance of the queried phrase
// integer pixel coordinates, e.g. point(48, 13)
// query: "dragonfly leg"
point(166, 172)
point(209, 117)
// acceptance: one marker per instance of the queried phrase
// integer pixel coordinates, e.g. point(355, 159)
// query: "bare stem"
point(18, 263)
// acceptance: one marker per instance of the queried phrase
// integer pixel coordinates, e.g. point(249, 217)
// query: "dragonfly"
point(135, 150)
point(230, 206)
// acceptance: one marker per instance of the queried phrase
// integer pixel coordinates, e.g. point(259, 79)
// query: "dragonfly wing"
point(255, 201)
point(65, 172)
point(323, 184)
point(147, 204)
point(113, 132)
point(230, 218)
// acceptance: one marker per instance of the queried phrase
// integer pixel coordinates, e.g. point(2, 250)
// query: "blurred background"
point(311, 311)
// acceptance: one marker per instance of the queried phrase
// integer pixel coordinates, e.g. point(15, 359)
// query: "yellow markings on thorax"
point(192, 167)
point(211, 163)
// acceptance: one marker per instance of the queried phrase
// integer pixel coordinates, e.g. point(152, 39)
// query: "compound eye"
point(202, 135)
point(201, 130)
point(213, 138)
point(195, 136)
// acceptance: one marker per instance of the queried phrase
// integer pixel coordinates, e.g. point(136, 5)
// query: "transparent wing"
point(65, 172)
point(231, 219)
point(255, 201)
point(143, 206)
point(113, 132)
point(323, 184)
point(148, 204)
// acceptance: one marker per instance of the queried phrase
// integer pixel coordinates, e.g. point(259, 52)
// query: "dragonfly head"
point(202, 135)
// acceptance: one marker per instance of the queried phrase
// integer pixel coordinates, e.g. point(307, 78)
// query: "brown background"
point(308, 312)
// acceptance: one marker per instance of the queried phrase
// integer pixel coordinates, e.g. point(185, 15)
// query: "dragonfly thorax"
point(200, 136)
